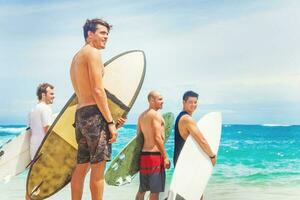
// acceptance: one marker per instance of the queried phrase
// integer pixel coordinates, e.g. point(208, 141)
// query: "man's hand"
point(120, 122)
point(113, 133)
point(213, 161)
point(167, 163)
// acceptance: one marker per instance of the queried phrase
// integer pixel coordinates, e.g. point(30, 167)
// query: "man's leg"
point(27, 197)
point(77, 180)
point(154, 196)
point(97, 180)
point(140, 196)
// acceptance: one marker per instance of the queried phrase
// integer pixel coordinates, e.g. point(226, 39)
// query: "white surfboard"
point(15, 156)
point(194, 168)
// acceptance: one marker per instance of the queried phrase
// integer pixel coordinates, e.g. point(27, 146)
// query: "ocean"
point(254, 162)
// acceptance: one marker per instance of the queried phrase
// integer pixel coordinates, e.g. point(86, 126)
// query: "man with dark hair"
point(186, 125)
point(91, 25)
point(94, 126)
point(188, 94)
point(154, 159)
point(40, 118)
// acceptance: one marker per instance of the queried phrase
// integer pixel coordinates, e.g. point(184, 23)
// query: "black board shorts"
point(92, 135)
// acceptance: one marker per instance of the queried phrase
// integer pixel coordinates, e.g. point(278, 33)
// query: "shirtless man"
point(154, 159)
point(186, 125)
point(95, 128)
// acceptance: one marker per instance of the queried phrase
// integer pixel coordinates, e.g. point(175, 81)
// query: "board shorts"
point(92, 135)
point(152, 172)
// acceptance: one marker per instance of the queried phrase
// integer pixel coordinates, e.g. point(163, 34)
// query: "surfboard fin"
point(1, 153)
point(173, 196)
point(178, 197)
point(36, 191)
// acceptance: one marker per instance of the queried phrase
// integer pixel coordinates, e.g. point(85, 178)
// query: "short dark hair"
point(188, 94)
point(42, 88)
point(91, 25)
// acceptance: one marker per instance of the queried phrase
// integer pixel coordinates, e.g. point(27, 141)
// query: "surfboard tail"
point(36, 190)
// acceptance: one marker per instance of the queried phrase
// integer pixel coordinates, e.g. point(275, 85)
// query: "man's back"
point(154, 158)
point(149, 122)
point(80, 75)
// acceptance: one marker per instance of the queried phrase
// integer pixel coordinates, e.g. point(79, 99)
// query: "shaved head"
point(155, 100)
point(152, 95)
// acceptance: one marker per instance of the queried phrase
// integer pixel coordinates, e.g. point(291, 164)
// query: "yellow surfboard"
point(55, 160)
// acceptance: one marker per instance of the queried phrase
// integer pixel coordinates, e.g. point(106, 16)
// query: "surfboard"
point(194, 168)
point(126, 164)
point(15, 155)
point(56, 157)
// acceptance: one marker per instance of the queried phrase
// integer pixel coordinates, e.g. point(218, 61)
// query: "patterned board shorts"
point(152, 172)
point(92, 135)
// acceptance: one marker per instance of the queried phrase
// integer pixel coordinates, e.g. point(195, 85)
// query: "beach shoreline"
point(254, 163)
point(15, 190)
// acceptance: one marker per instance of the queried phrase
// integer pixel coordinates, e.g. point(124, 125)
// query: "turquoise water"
point(248, 155)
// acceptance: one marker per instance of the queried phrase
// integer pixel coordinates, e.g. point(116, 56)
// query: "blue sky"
point(242, 57)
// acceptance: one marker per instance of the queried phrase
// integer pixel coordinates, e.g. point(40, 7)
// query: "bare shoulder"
point(187, 120)
point(142, 114)
point(140, 117)
point(158, 117)
point(154, 114)
point(90, 53)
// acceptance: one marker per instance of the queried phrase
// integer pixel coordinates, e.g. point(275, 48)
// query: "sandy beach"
point(14, 190)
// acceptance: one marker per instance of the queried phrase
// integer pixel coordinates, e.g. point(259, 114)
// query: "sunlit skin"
point(157, 102)
point(152, 126)
point(99, 38)
point(48, 97)
point(87, 72)
point(190, 105)
point(187, 125)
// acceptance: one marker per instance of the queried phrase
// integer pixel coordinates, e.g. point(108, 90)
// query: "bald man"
point(154, 159)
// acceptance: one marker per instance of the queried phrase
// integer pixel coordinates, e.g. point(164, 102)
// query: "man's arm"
point(156, 124)
point(198, 136)
point(46, 128)
point(95, 67)
point(121, 121)
point(138, 129)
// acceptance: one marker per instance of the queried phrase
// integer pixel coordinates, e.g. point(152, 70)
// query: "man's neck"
point(151, 108)
point(90, 44)
point(190, 113)
point(43, 101)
